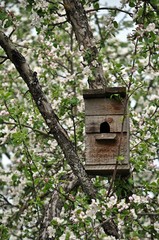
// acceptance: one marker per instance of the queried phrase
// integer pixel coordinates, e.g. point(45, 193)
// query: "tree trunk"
point(78, 19)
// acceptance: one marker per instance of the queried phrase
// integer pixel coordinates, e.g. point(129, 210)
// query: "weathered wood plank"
point(105, 136)
point(104, 106)
point(106, 152)
point(107, 169)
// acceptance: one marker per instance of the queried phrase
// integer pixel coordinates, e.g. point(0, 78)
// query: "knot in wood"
point(109, 120)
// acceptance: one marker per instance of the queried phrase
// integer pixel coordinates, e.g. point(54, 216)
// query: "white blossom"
point(36, 21)
point(111, 202)
point(41, 4)
point(122, 205)
point(133, 213)
point(93, 209)
point(23, 3)
point(153, 97)
point(91, 213)
point(147, 222)
point(71, 235)
point(109, 238)
point(4, 113)
point(138, 199)
point(156, 226)
point(51, 231)
point(150, 27)
point(120, 224)
point(58, 220)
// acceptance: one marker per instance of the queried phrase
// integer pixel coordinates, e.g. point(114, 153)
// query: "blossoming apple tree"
point(49, 52)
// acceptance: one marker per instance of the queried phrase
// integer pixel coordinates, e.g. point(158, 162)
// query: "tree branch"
point(47, 113)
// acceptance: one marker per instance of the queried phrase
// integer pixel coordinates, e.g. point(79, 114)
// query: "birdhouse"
point(106, 131)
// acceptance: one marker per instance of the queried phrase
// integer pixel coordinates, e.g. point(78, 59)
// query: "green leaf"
point(74, 101)
point(96, 5)
point(116, 97)
point(115, 24)
point(132, 3)
point(8, 23)
point(99, 216)
point(4, 233)
point(120, 158)
point(1, 120)
point(88, 56)
point(3, 15)
point(15, 179)
point(67, 236)
point(19, 136)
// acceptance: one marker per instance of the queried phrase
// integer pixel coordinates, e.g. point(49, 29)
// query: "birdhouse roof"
point(106, 92)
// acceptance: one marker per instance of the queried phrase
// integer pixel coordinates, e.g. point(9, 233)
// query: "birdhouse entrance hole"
point(104, 127)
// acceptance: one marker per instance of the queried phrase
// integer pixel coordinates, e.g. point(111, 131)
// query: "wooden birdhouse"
point(107, 131)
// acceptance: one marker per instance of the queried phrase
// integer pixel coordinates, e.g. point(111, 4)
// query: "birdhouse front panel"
point(107, 131)
point(98, 124)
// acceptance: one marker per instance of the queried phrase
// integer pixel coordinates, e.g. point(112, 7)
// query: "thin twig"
point(148, 214)
point(6, 200)
point(119, 147)
point(57, 24)
point(4, 59)
point(98, 25)
point(154, 7)
point(12, 32)
point(111, 9)
point(27, 126)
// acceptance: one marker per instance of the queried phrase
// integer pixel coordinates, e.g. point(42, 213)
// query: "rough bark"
point(78, 19)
